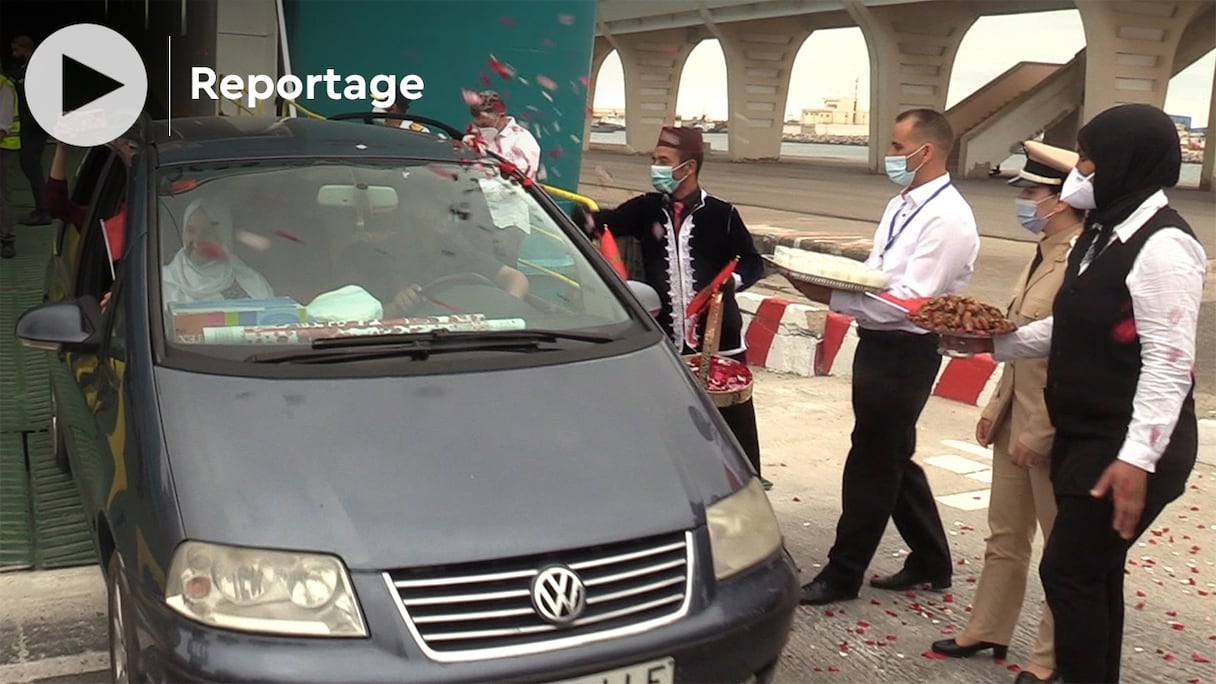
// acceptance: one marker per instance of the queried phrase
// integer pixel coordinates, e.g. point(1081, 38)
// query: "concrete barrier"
point(808, 340)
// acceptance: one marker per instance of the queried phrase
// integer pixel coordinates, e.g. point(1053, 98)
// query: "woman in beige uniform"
point(1015, 423)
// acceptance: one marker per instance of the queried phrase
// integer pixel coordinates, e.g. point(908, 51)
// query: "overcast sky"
point(830, 62)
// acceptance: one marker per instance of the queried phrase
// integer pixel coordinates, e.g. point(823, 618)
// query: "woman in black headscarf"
point(1121, 351)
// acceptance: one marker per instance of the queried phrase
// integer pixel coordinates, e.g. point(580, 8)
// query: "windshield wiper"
point(420, 346)
point(444, 336)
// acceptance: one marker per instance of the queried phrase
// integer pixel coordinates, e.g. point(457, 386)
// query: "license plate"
point(654, 672)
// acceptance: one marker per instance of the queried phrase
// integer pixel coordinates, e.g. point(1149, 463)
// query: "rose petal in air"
point(211, 250)
point(485, 80)
point(506, 21)
point(286, 235)
point(557, 153)
point(471, 98)
point(565, 19)
point(546, 82)
point(252, 240)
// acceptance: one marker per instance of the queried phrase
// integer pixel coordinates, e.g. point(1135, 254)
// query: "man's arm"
point(750, 267)
point(945, 249)
point(625, 220)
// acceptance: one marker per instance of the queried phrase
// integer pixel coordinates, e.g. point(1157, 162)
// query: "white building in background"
point(839, 116)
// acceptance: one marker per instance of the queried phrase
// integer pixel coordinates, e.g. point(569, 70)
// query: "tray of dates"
point(730, 382)
point(962, 317)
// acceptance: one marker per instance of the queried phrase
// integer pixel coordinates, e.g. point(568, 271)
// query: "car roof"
point(213, 138)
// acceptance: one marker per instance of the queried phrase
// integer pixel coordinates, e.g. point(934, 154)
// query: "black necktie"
point(1038, 259)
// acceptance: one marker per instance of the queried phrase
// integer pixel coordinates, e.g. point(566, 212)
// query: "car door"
point(86, 383)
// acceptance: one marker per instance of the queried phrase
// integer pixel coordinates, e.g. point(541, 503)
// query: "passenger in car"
point(396, 266)
point(206, 268)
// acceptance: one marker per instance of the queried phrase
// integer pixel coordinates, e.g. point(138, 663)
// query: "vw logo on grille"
point(558, 595)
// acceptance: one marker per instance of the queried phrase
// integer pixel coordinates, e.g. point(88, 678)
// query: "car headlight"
point(743, 530)
point(258, 590)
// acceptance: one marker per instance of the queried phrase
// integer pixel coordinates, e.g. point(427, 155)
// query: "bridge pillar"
point(759, 57)
point(652, 63)
point(912, 50)
point(1207, 173)
point(600, 51)
point(1131, 49)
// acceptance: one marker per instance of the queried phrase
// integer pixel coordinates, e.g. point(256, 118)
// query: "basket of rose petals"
point(729, 382)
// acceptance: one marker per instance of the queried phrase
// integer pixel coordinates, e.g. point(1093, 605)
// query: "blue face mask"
point(662, 179)
point(1027, 212)
point(897, 169)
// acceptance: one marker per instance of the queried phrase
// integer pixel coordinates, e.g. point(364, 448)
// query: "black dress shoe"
point(905, 580)
point(36, 219)
point(820, 592)
point(951, 649)
point(1026, 677)
point(7, 250)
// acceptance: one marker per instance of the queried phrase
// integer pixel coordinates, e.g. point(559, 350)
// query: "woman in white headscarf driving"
point(206, 269)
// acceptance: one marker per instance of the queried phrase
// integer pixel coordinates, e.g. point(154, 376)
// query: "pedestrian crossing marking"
point(968, 447)
point(957, 464)
point(984, 476)
point(967, 501)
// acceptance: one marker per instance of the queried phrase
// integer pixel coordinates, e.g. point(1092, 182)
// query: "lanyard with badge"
point(892, 234)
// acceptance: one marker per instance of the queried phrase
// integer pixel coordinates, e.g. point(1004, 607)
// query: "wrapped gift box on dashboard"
point(189, 320)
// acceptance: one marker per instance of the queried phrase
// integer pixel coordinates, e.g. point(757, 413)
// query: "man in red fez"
point(687, 237)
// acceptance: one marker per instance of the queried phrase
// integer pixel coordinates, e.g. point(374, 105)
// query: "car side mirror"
point(62, 326)
point(646, 296)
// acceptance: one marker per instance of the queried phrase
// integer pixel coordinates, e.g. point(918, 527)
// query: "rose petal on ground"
point(797, 499)
point(1140, 593)
point(1139, 606)
point(875, 602)
point(1199, 659)
point(1171, 613)
point(1014, 669)
point(910, 594)
point(931, 655)
point(1177, 626)
point(1170, 657)
point(827, 613)
point(948, 598)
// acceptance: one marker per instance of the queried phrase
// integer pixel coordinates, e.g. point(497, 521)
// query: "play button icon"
point(94, 74)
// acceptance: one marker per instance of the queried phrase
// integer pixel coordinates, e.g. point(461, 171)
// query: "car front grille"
point(485, 610)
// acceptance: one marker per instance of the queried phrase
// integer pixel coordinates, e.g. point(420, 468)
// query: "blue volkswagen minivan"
point(322, 436)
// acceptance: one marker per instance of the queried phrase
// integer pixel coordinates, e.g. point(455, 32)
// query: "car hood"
point(395, 472)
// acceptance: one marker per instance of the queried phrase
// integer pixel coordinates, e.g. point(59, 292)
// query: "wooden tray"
point(796, 278)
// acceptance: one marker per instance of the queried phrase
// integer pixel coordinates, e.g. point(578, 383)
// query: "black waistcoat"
point(1094, 366)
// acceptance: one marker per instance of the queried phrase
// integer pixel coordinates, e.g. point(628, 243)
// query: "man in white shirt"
point(494, 130)
point(926, 244)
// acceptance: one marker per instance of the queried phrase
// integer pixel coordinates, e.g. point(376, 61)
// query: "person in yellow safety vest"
point(10, 144)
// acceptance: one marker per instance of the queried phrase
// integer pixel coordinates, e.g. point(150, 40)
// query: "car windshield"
point(282, 254)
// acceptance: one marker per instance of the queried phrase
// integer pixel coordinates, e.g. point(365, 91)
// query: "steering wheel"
point(455, 279)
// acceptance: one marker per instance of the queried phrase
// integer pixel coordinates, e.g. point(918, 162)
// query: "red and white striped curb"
point(809, 340)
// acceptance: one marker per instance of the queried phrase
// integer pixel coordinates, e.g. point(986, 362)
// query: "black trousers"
point(1082, 574)
point(741, 419)
point(33, 145)
point(893, 374)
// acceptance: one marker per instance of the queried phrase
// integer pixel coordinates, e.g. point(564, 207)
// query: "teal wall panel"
point(449, 44)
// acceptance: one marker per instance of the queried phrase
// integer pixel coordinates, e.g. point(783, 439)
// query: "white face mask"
point(1078, 191)
point(488, 132)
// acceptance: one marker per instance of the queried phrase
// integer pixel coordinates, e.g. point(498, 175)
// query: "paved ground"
point(58, 630)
